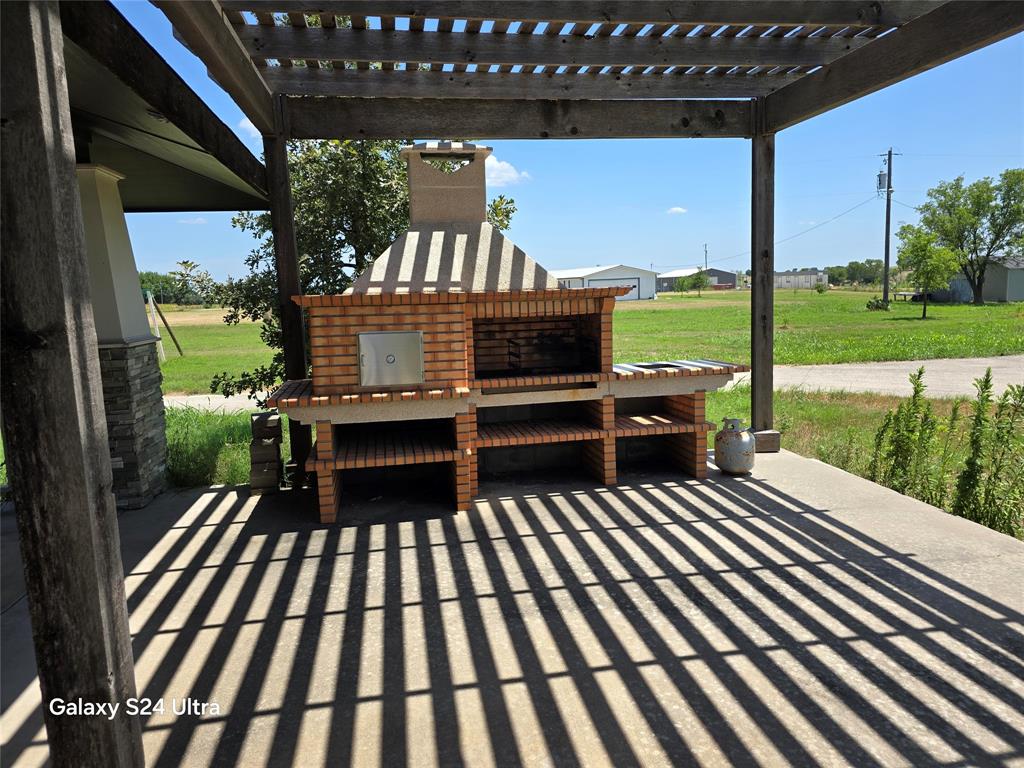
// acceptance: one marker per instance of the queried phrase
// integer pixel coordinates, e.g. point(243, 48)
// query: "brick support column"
point(328, 488)
point(136, 430)
point(465, 472)
point(689, 451)
point(599, 456)
point(690, 407)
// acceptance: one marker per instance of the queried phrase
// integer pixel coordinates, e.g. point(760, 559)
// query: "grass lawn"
point(812, 328)
point(809, 328)
point(210, 349)
point(835, 427)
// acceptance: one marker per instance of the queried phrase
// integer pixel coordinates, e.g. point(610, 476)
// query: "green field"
point(210, 349)
point(809, 328)
point(813, 328)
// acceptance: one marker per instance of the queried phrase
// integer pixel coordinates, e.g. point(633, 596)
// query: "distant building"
point(801, 278)
point(1003, 282)
point(640, 280)
point(718, 278)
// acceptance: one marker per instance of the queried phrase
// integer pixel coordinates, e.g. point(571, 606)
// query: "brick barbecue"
point(454, 342)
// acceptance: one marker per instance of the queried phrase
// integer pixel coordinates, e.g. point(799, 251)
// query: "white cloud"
point(675, 210)
point(503, 174)
point(196, 220)
point(251, 130)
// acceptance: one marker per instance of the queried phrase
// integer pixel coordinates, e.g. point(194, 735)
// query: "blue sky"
point(600, 202)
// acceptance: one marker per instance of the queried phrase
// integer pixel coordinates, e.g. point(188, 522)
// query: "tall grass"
point(975, 472)
point(209, 447)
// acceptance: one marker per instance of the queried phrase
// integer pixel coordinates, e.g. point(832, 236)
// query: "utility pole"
point(705, 257)
point(888, 214)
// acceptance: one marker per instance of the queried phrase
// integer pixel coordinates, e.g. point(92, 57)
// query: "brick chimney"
point(440, 197)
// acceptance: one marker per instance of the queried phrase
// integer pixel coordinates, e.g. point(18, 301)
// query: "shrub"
point(876, 304)
point(919, 457)
point(820, 288)
point(990, 487)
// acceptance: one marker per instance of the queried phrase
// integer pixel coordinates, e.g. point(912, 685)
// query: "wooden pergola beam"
point(950, 31)
point(839, 13)
point(339, 44)
point(318, 118)
point(205, 29)
point(298, 81)
point(103, 33)
point(51, 396)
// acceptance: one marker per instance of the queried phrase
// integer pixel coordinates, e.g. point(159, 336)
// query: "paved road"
point(944, 378)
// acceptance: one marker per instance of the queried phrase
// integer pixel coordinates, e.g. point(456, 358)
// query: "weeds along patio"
point(803, 616)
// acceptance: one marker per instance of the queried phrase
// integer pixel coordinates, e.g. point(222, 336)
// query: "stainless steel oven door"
point(390, 358)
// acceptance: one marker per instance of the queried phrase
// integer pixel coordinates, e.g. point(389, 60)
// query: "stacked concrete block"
point(135, 422)
point(265, 453)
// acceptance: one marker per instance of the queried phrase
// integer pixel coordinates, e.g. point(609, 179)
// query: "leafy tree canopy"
point(350, 201)
point(981, 222)
point(930, 265)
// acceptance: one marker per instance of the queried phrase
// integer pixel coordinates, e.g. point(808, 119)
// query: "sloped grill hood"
point(449, 246)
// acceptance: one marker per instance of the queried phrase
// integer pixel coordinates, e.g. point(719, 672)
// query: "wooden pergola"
point(478, 69)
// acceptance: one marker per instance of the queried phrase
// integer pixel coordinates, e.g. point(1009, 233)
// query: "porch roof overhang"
point(132, 112)
point(564, 69)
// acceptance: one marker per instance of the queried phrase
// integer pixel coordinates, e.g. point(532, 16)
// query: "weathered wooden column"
point(52, 401)
point(762, 281)
point(286, 261)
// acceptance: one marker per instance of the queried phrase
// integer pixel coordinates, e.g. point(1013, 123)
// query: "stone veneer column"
point(132, 396)
point(135, 421)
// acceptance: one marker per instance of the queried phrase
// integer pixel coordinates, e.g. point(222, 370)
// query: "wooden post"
point(287, 263)
point(762, 281)
point(52, 400)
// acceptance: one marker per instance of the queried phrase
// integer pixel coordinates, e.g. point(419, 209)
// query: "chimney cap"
point(446, 148)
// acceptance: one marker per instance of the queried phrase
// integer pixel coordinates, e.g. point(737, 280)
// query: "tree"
point(981, 222)
point(681, 285)
point(350, 201)
point(873, 271)
point(855, 272)
point(929, 264)
point(163, 287)
point(190, 279)
point(836, 275)
point(699, 281)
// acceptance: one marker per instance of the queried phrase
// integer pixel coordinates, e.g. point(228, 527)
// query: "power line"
point(777, 242)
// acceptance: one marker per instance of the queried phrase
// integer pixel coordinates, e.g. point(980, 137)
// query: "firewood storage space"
point(454, 350)
point(534, 424)
point(421, 441)
point(644, 416)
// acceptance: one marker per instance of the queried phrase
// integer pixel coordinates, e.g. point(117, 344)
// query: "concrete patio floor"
point(802, 616)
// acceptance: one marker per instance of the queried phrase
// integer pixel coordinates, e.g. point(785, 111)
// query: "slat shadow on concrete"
point(666, 622)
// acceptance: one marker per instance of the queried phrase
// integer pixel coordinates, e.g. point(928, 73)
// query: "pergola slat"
point(471, 85)
point(953, 30)
point(372, 118)
point(460, 47)
point(821, 12)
